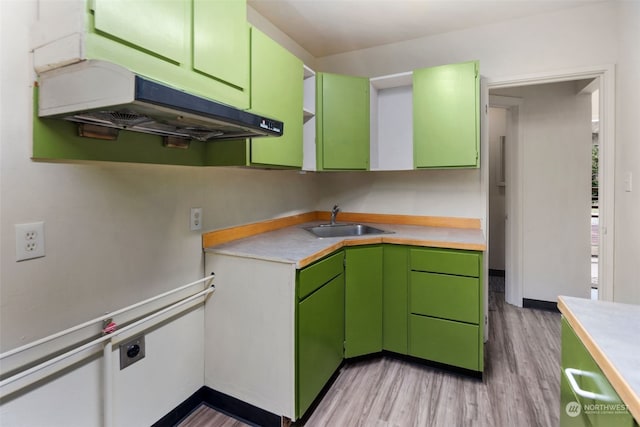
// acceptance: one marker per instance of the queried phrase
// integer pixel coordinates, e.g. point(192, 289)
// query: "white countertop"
point(611, 331)
point(294, 245)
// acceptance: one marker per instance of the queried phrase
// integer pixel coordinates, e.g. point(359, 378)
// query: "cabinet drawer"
point(447, 297)
point(444, 341)
point(445, 261)
point(316, 275)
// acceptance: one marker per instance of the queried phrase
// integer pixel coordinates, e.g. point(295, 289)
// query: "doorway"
point(526, 271)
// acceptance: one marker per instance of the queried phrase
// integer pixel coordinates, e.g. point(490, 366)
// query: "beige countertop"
point(611, 333)
point(295, 245)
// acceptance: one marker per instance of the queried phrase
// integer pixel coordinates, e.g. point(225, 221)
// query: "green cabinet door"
point(221, 40)
point(159, 27)
point(342, 122)
point(319, 343)
point(200, 46)
point(445, 341)
point(221, 47)
point(276, 91)
point(586, 395)
point(394, 296)
point(446, 116)
point(363, 300)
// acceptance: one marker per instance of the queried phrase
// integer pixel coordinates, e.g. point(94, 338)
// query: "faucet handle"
point(336, 208)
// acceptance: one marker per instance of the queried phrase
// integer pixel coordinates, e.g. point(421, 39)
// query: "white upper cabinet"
point(392, 122)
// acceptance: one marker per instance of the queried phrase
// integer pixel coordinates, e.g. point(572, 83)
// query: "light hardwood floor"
point(520, 385)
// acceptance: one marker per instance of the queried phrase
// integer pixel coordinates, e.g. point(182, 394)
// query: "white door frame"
point(606, 260)
point(513, 197)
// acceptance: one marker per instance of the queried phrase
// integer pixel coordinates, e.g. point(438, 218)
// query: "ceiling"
point(326, 27)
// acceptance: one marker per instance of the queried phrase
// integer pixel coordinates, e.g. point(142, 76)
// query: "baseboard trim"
point(499, 273)
point(540, 305)
point(235, 408)
point(181, 411)
point(252, 415)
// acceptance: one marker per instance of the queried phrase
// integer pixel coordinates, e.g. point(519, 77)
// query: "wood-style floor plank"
point(520, 386)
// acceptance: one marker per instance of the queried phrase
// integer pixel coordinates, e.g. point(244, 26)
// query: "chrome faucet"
point(334, 214)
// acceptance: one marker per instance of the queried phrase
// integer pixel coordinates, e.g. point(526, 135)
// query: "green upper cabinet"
point(363, 300)
point(198, 46)
point(221, 41)
point(446, 116)
point(160, 27)
point(342, 122)
point(277, 92)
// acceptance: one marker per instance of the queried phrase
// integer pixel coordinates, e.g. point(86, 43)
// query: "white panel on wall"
point(171, 371)
point(254, 298)
point(394, 121)
point(72, 399)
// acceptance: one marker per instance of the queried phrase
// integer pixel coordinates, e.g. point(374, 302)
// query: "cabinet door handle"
point(572, 373)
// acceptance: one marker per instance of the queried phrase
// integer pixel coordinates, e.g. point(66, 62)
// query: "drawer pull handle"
point(572, 373)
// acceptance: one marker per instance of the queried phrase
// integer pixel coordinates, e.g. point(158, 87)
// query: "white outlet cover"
point(29, 241)
point(195, 222)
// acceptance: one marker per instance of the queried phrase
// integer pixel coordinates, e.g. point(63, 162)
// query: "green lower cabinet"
point(586, 396)
point(394, 298)
point(445, 296)
point(363, 300)
point(444, 341)
point(446, 261)
point(319, 343)
point(446, 315)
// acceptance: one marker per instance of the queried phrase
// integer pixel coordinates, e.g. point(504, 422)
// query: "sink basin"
point(342, 230)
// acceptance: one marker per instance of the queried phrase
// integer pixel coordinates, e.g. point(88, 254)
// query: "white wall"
point(115, 234)
point(72, 392)
point(427, 192)
point(565, 39)
point(603, 33)
point(556, 144)
point(556, 41)
point(497, 128)
point(627, 233)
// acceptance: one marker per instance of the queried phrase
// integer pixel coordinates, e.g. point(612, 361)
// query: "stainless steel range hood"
point(104, 95)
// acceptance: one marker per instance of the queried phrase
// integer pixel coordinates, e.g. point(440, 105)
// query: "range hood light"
point(98, 132)
point(175, 142)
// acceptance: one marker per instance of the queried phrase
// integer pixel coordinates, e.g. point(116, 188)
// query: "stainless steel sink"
point(342, 230)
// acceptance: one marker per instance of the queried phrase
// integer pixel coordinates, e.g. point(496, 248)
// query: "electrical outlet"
point(29, 241)
point(132, 351)
point(196, 219)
